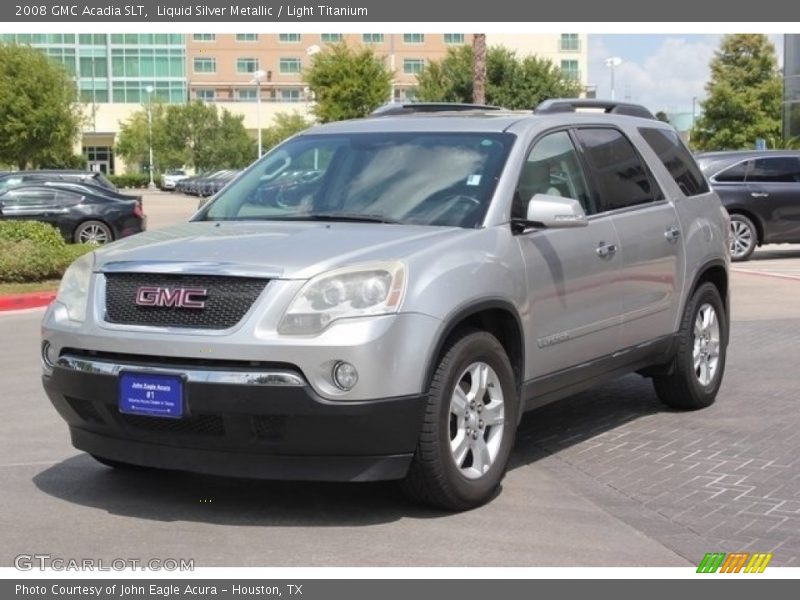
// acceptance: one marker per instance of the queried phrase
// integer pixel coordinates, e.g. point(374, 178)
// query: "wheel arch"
point(97, 219)
point(496, 316)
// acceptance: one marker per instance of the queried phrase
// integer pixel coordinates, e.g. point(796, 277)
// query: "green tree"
point(194, 134)
point(662, 116)
point(744, 95)
point(284, 125)
point(39, 116)
point(511, 81)
point(347, 82)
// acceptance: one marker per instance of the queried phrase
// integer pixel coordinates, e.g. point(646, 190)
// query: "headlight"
point(366, 290)
point(74, 289)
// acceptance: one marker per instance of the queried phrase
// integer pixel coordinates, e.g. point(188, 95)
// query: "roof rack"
point(563, 105)
point(406, 108)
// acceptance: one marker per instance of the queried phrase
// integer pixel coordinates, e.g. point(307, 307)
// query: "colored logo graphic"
point(736, 562)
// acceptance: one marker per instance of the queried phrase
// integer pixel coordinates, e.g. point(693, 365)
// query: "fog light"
point(345, 376)
point(48, 355)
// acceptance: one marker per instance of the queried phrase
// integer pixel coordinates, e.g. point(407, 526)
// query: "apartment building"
point(116, 74)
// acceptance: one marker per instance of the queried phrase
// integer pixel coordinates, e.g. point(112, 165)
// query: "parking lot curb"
point(30, 300)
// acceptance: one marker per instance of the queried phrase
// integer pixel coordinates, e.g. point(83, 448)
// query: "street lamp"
point(258, 77)
point(149, 90)
point(612, 63)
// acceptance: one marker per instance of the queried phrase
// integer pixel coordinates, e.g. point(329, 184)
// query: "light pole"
point(149, 90)
point(258, 77)
point(612, 63)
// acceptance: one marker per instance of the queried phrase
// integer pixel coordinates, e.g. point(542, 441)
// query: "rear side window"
point(621, 178)
point(677, 159)
point(778, 169)
point(735, 174)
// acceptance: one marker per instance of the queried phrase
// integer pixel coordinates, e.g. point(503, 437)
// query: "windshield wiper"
point(349, 217)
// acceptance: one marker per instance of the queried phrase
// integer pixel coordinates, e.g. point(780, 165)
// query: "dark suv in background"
point(761, 191)
point(14, 178)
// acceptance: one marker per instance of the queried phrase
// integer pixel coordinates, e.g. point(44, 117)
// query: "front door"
point(574, 297)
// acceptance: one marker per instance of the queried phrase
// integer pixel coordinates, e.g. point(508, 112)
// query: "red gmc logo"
point(171, 297)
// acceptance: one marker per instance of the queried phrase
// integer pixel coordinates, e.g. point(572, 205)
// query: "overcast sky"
point(663, 72)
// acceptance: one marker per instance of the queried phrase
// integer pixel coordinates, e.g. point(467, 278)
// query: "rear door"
point(650, 250)
point(33, 204)
point(774, 187)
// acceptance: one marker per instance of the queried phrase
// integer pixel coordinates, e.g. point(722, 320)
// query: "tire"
point(439, 478)
point(744, 238)
point(118, 465)
point(93, 232)
point(689, 386)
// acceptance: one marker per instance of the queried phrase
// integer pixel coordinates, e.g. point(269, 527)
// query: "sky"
point(663, 72)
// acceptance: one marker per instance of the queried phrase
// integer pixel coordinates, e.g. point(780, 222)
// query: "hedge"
point(133, 180)
point(32, 251)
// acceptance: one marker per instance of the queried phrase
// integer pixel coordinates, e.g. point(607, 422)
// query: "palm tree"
point(479, 68)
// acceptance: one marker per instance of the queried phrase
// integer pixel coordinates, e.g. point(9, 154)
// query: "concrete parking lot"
point(608, 477)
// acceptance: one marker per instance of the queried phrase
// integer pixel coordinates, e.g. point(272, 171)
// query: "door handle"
point(672, 234)
point(759, 194)
point(606, 250)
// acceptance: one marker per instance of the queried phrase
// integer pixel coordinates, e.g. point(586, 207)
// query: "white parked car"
point(171, 178)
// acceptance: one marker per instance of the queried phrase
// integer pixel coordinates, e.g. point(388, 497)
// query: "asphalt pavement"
point(606, 478)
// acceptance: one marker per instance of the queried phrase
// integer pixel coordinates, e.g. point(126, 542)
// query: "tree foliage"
point(744, 95)
point(347, 82)
point(39, 117)
point(194, 135)
point(511, 81)
point(284, 125)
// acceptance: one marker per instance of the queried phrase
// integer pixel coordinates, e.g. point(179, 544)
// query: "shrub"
point(41, 233)
point(32, 251)
point(26, 261)
point(131, 180)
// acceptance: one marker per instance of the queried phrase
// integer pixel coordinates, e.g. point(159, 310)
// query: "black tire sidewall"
point(706, 294)
point(477, 347)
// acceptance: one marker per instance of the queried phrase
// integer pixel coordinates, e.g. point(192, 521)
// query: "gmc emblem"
point(171, 297)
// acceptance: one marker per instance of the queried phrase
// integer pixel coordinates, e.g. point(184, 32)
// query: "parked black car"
point(21, 177)
point(90, 189)
point(89, 218)
point(761, 191)
point(212, 185)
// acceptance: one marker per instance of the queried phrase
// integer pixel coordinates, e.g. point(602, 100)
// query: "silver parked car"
point(383, 299)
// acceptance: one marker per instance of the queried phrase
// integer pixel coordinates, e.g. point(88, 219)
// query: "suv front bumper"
point(272, 426)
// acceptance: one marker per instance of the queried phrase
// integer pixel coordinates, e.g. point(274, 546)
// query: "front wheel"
point(699, 361)
point(469, 426)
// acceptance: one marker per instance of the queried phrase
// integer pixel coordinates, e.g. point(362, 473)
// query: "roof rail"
point(562, 105)
point(406, 108)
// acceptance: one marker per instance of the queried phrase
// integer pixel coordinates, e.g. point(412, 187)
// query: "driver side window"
point(551, 168)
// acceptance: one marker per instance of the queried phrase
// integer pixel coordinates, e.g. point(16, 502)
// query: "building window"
point(293, 38)
point(569, 68)
point(290, 95)
point(205, 94)
point(413, 38)
point(204, 37)
point(246, 37)
point(413, 66)
point(330, 38)
point(246, 95)
point(569, 42)
point(372, 38)
point(205, 65)
point(453, 38)
point(290, 65)
point(246, 65)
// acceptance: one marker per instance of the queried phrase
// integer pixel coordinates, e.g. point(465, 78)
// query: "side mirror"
point(556, 212)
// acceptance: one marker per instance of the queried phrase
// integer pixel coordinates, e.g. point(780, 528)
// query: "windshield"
point(412, 178)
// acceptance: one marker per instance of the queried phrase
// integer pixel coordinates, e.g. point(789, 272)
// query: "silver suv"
point(384, 298)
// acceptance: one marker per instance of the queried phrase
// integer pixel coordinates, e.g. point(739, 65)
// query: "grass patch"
point(51, 285)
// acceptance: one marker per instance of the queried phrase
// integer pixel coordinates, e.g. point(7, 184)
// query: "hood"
point(287, 250)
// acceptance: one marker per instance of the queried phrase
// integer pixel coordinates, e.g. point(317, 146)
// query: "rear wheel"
point(744, 238)
point(699, 361)
point(96, 233)
point(469, 426)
